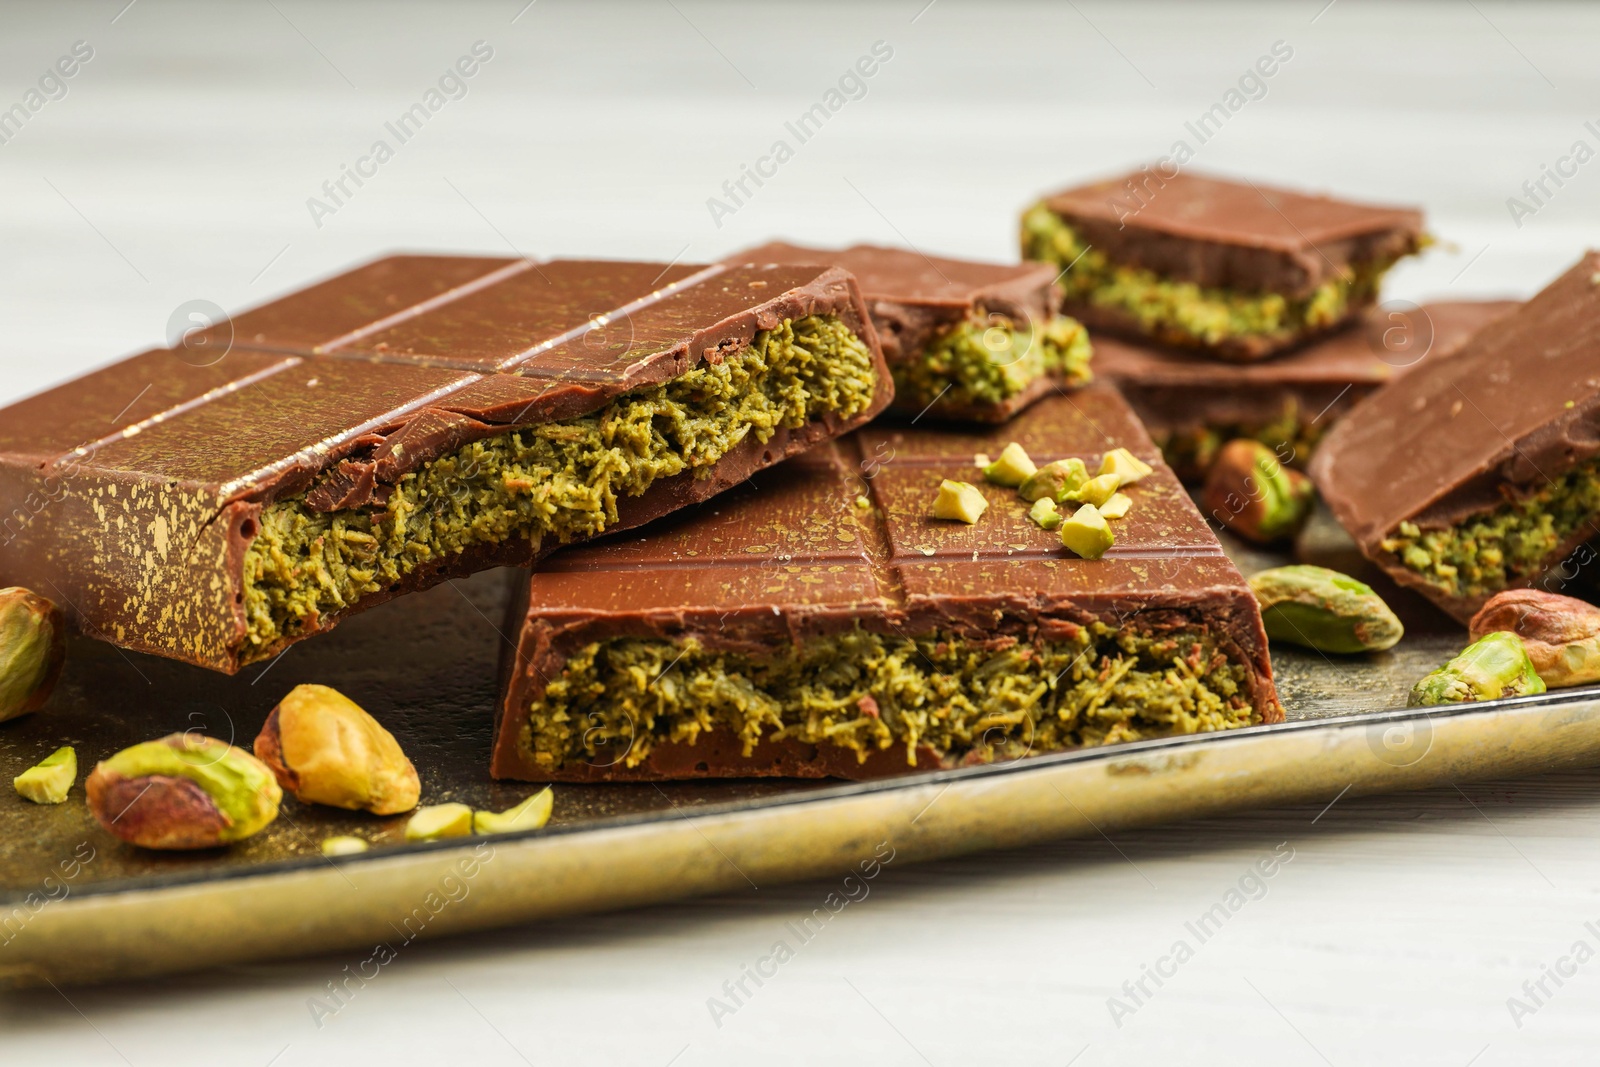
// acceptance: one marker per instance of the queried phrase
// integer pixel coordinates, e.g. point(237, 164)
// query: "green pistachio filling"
point(560, 479)
point(985, 361)
point(616, 700)
point(1183, 313)
point(1191, 452)
point(1487, 552)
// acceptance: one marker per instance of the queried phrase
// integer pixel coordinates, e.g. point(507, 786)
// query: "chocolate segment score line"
point(342, 389)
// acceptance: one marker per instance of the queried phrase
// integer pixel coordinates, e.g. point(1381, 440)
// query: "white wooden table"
point(178, 164)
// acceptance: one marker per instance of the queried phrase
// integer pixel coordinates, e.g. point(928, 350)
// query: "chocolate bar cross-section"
point(413, 419)
point(1481, 472)
point(1234, 269)
point(818, 622)
point(968, 341)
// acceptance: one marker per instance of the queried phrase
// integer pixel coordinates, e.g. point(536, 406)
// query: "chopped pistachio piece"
point(343, 845)
point(1324, 610)
point(1054, 480)
point(1117, 506)
point(1012, 468)
point(1045, 513)
point(1496, 665)
point(980, 459)
point(1128, 467)
point(531, 814)
point(47, 781)
point(960, 501)
point(863, 503)
point(439, 821)
point(1096, 491)
point(1087, 533)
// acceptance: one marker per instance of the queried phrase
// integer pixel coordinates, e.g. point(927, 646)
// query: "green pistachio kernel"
point(1045, 513)
point(1054, 480)
point(1324, 610)
point(47, 781)
point(1087, 533)
point(531, 814)
point(1012, 468)
point(1494, 666)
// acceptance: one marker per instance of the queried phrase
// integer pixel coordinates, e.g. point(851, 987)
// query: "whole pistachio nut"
point(531, 814)
point(1054, 480)
point(1561, 634)
point(1254, 495)
point(33, 646)
point(325, 749)
point(48, 781)
point(183, 791)
point(1324, 610)
point(1496, 665)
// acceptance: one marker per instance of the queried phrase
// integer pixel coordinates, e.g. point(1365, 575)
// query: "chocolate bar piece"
point(1480, 472)
point(818, 622)
point(417, 418)
point(1234, 269)
point(1193, 405)
point(974, 342)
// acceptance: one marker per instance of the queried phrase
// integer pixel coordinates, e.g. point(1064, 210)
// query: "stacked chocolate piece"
point(1228, 310)
point(423, 417)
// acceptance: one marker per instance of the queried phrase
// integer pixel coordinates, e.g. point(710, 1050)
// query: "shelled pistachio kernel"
point(183, 791)
point(1096, 491)
point(1087, 533)
point(1324, 610)
point(1012, 468)
point(439, 821)
point(1494, 666)
point(33, 646)
point(343, 845)
point(1045, 513)
point(1054, 480)
point(1117, 507)
point(960, 501)
point(1128, 467)
point(531, 814)
point(48, 781)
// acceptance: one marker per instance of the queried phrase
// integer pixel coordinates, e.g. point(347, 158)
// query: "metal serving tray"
point(78, 906)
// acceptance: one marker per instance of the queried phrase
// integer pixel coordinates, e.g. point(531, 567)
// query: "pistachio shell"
point(325, 749)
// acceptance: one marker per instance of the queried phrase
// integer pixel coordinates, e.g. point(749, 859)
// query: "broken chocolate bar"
point(968, 341)
point(1193, 406)
point(417, 418)
point(1237, 270)
point(1480, 472)
point(819, 622)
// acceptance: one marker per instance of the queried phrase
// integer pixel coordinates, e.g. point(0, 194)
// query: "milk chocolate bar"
point(817, 622)
point(1233, 269)
point(416, 418)
point(1193, 405)
point(1480, 472)
point(967, 341)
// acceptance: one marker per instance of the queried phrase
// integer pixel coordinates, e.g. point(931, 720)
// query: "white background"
point(178, 167)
